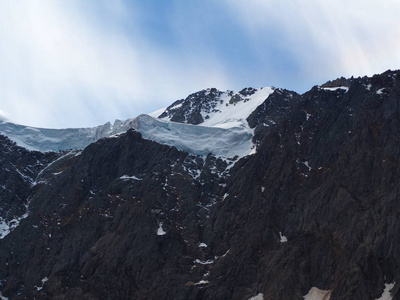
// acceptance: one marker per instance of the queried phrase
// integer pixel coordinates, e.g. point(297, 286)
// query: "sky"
point(73, 63)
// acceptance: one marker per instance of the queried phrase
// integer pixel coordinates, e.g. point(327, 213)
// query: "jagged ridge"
point(315, 208)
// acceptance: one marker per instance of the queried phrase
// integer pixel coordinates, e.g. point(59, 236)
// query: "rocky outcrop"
point(18, 172)
point(127, 218)
point(195, 109)
point(189, 110)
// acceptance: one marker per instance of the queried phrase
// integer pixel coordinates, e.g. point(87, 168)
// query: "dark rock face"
point(192, 109)
point(189, 110)
point(128, 218)
point(272, 112)
point(18, 172)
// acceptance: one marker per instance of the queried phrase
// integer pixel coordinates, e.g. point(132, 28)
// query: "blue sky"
point(72, 63)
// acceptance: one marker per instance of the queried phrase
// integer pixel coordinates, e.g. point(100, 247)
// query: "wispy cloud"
point(64, 65)
point(327, 37)
point(82, 63)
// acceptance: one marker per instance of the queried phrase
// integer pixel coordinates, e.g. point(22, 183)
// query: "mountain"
point(260, 194)
point(226, 133)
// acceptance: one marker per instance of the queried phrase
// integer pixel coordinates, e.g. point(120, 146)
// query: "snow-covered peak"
point(229, 113)
point(215, 108)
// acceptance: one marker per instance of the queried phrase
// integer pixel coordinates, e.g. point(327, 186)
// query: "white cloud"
point(64, 66)
point(336, 36)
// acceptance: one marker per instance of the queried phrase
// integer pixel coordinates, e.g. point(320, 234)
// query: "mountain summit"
point(260, 194)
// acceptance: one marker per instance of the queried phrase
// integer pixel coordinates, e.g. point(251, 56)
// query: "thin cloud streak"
point(328, 37)
point(58, 65)
point(82, 63)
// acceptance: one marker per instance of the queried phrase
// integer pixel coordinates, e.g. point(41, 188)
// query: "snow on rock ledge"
point(386, 292)
point(160, 230)
point(260, 296)
point(317, 294)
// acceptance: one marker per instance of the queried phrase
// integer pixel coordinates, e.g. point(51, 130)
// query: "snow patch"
point(203, 245)
point(333, 89)
point(317, 294)
point(205, 262)
point(126, 177)
point(202, 282)
point(157, 113)
point(380, 91)
point(53, 162)
point(7, 226)
point(225, 254)
point(227, 115)
point(307, 165)
point(38, 288)
point(283, 239)
point(176, 106)
point(160, 230)
point(260, 296)
point(386, 292)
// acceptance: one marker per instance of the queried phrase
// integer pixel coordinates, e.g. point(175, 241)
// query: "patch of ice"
point(386, 292)
point(43, 139)
point(160, 230)
point(197, 139)
point(283, 239)
point(317, 294)
point(260, 296)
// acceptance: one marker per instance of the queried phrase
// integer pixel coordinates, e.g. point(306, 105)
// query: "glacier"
point(224, 133)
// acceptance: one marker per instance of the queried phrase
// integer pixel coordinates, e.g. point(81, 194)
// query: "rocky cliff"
point(313, 210)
